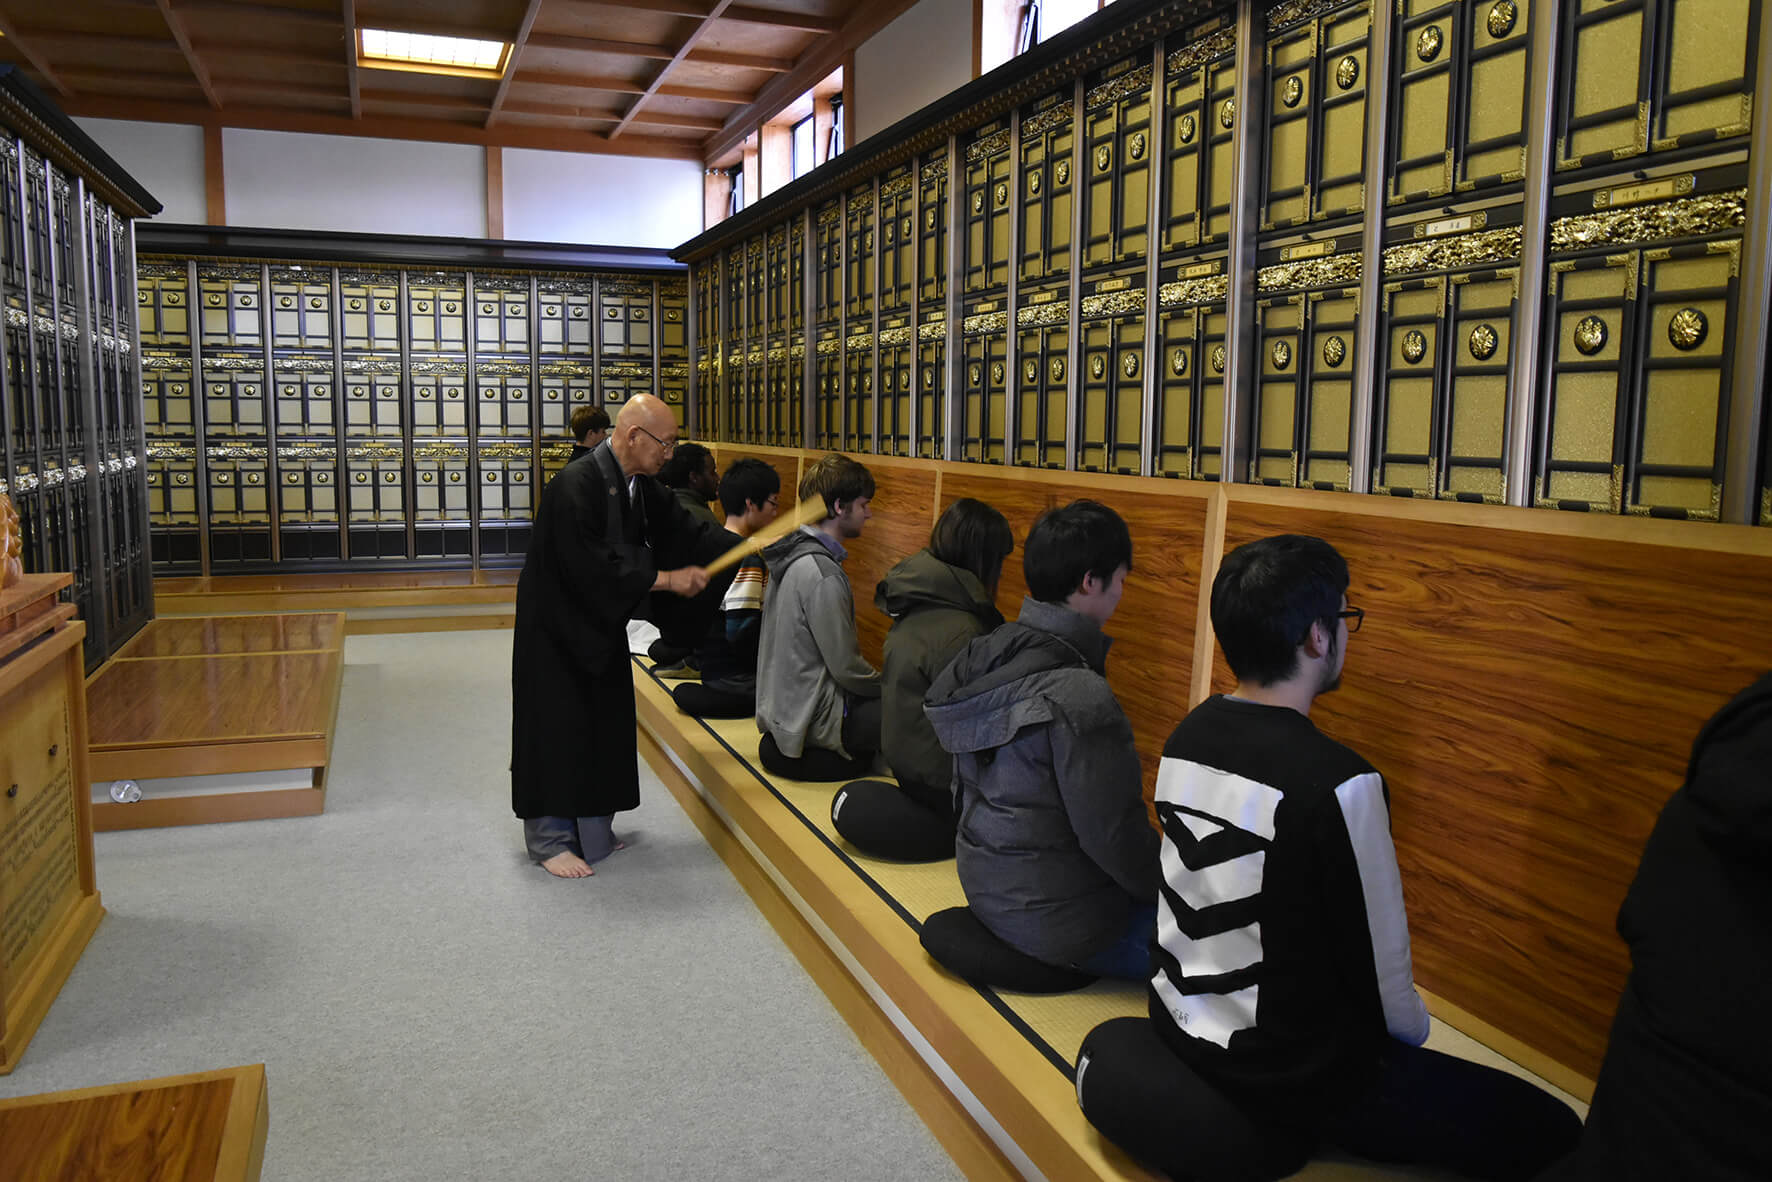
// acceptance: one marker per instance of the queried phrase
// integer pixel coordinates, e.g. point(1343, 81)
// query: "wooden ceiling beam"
point(598, 45)
point(627, 86)
point(175, 23)
point(809, 22)
point(701, 29)
point(306, 16)
point(413, 98)
point(516, 51)
point(381, 127)
point(353, 80)
point(650, 118)
point(46, 38)
point(666, 119)
point(745, 61)
point(818, 61)
point(32, 55)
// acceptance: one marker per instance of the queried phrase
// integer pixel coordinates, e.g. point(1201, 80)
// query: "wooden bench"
point(990, 1071)
point(373, 601)
point(204, 696)
point(207, 1127)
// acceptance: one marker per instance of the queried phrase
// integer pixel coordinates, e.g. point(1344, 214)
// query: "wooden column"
point(495, 192)
point(214, 183)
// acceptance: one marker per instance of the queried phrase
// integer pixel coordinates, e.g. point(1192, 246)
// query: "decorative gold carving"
point(828, 346)
point(892, 188)
point(934, 331)
point(1483, 341)
point(1590, 335)
point(989, 322)
point(1335, 271)
point(1465, 250)
point(1056, 369)
point(1040, 315)
point(439, 451)
point(856, 343)
point(1001, 193)
point(324, 365)
point(1178, 362)
point(991, 145)
point(1227, 113)
point(1428, 43)
point(233, 364)
point(1194, 291)
point(375, 451)
point(1334, 352)
point(1347, 72)
point(1281, 353)
point(171, 451)
point(1687, 329)
point(1030, 370)
point(1103, 157)
point(1047, 120)
point(996, 373)
point(1186, 129)
point(1294, 11)
point(1414, 346)
point(1218, 359)
point(568, 369)
point(975, 374)
point(237, 451)
point(1118, 303)
point(1691, 217)
point(1293, 90)
point(1126, 84)
point(1502, 15)
point(935, 169)
point(1063, 173)
point(1129, 364)
point(1097, 366)
point(978, 202)
point(1199, 52)
point(153, 269)
point(1135, 149)
point(888, 337)
point(1034, 181)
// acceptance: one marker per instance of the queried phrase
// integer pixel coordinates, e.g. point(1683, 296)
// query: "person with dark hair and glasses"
point(1282, 983)
point(940, 599)
point(818, 699)
point(1053, 848)
point(750, 492)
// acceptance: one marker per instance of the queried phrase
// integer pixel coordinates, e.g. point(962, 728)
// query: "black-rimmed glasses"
point(669, 446)
point(1355, 616)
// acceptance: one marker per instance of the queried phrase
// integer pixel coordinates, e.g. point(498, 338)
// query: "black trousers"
point(861, 738)
point(704, 701)
point(1419, 1107)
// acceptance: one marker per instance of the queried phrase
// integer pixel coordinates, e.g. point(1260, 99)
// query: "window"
point(388, 49)
point(1042, 20)
point(805, 150)
point(736, 201)
point(836, 148)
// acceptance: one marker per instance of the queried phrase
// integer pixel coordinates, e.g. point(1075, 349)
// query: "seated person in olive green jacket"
point(940, 599)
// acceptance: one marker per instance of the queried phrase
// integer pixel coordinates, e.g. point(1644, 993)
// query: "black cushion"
point(959, 943)
point(882, 819)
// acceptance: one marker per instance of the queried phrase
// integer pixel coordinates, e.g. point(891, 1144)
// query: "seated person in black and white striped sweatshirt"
point(1282, 975)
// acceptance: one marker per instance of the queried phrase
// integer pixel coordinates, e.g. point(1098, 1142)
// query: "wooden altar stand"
point(206, 695)
point(207, 1127)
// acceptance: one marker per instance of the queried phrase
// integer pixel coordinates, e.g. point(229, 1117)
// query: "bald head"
point(644, 436)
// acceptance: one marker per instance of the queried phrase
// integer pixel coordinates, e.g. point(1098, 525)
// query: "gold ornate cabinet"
point(1470, 250)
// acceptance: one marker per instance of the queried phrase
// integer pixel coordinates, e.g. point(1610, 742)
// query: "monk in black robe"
point(606, 534)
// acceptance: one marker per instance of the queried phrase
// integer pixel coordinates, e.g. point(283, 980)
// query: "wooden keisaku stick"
point(805, 513)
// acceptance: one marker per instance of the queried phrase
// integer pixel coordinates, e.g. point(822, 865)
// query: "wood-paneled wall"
point(1530, 685)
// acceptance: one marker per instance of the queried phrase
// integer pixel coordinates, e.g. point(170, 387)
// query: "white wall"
point(606, 200)
point(913, 61)
point(167, 158)
point(298, 181)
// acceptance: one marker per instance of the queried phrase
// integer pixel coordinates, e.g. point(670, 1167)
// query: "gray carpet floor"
point(431, 1006)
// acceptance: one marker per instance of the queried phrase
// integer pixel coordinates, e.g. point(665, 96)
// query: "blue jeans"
point(1129, 957)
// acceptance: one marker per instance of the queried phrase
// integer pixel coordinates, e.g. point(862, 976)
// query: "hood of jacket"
point(924, 581)
point(783, 552)
point(1727, 780)
point(1046, 665)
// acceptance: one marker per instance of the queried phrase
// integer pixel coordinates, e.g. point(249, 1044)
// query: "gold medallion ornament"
point(1347, 72)
point(904, 227)
point(1427, 45)
point(316, 302)
point(1056, 369)
point(1064, 171)
point(1414, 346)
point(1097, 367)
point(1687, 329)
point(1030, 370)
point(1281, 353)
point(449, 308)
point(1292, 91)
point(1187, 128)
point(1227, 113)
point(1218, 359)
point(885, 379)
point(246, 301)
point(1136, 148)
point(929, 219)
point(1102, 158)
point(976, 373)
point(1178, 362)
point(929, 377)
point(424, 306)
point(1129, 364)
point(997, 373)
point(174, 299)
point(285, 302)
point(1033, 182)
point(978, 203)
point(1334, 352)
point(1590, 335)
point(1501, 18)
point(215, 301)
point(1483, 340)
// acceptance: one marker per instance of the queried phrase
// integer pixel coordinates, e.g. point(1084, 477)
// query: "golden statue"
point(12, 544)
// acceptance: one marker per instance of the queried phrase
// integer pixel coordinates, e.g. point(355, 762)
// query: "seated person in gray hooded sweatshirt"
point(1054, 850)
point(818, 699)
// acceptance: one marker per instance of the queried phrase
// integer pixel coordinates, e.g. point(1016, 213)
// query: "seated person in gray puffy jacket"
point(940, 599)
point(818, 699)
point(1054, 850)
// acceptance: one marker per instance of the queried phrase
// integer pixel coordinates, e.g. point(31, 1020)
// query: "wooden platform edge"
point(1509, 1047)
point(42, 984)
point(970, 1146)
point(386, 625)
point(108, 816)
point(1009, 1078)
point(204, 603)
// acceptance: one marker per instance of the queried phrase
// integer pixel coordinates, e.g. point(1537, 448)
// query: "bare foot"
point(567, 864)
